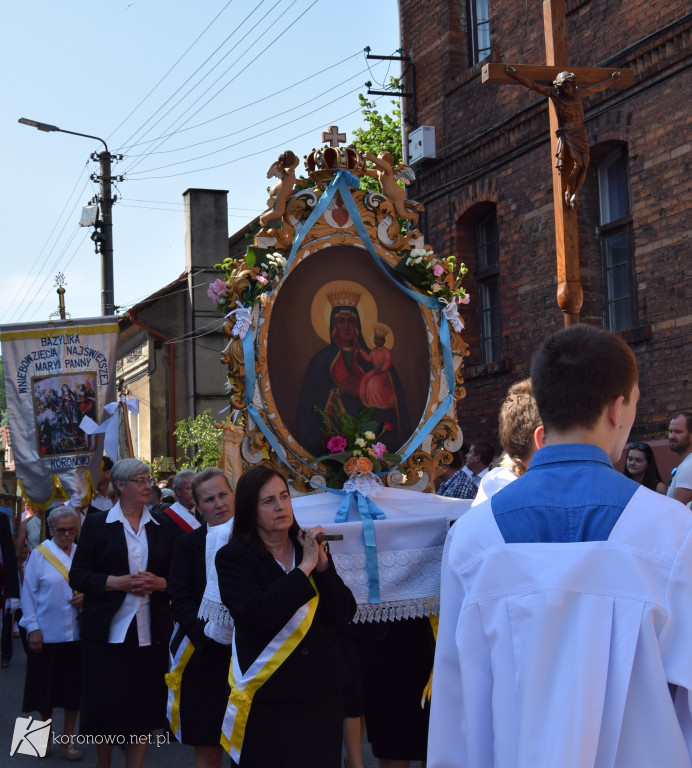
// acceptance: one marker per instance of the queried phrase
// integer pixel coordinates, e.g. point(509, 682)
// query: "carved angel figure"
point(285, 170)
point(388, 177)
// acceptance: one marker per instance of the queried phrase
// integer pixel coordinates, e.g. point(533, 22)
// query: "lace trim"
point(409, 583)
point(216, 612)
point(397, 610)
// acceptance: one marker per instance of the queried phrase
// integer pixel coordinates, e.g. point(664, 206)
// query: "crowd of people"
point(562, 602)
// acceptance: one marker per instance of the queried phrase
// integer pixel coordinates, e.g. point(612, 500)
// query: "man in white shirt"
point(101, 500)
point(680, 442)
point(182, 512)
point(565, 618)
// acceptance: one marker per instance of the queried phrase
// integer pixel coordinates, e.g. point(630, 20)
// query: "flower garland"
point(436, 277)
point(355, 446)
point(251, 278)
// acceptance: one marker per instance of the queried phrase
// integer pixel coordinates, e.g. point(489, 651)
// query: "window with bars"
point(488, 286)
point(615, 233)
point(478, 16)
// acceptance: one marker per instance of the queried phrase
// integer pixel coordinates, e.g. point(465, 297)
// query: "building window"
point(479, 30)
point(488, 286)
point(615, 232)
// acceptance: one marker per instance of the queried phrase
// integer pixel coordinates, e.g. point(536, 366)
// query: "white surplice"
point(566, 654)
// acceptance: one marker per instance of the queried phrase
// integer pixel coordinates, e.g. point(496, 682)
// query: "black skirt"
point(123, 688)
point(53, 678)
point(295, 734)
point(204, 694)
point(396, 663)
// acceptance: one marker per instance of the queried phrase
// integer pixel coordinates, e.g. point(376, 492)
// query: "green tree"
point(382, 134)
point(201, 441)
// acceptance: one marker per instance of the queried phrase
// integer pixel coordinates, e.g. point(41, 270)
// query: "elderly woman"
point(197, 712)
point(121, 566)
point(286, 599)
point(49, 616)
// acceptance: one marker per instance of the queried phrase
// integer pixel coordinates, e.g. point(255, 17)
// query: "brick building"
point(488, 189)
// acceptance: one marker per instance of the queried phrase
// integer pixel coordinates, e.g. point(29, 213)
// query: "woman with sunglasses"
point(50, 611)
point(121, 566)
point(641, 467)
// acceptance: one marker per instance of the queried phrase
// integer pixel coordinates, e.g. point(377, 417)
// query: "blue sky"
point(203, 94)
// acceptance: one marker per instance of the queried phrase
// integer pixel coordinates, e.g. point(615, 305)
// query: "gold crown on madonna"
point(324, 163)
point(344, 297)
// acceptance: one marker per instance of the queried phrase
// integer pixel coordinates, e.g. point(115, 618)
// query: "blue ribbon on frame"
point(367, 510)
point(340, 183)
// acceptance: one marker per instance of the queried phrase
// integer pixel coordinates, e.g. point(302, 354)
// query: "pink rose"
point(217, 291)
point(438, 270)
point(336, 444)
point(465, 299)
point(261, 279)
point(379, 449)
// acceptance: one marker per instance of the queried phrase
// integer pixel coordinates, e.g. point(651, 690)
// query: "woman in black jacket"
point(286, 599)
point(204, 680)
point(121, 565)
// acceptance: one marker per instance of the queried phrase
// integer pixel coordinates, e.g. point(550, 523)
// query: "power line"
point(263, 121)
point(182, 85)
point(180, 58)
point(177, 103)
point(22, 295)
point(281, 91)
point(310, 131)
point(245, 140)
point(249, 48)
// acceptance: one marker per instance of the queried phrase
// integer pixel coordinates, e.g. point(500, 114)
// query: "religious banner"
point(56, 374)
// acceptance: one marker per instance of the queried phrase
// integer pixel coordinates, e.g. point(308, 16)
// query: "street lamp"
point(106, 244)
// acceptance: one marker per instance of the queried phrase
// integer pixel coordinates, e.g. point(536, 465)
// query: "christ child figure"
point(376, 390)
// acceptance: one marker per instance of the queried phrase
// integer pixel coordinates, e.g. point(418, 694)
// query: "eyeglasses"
point(65, 530)
point(142, 481)
point(639, 446)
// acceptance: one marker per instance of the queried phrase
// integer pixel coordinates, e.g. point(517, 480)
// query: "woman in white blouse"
point(49, 615)
point(121, 566)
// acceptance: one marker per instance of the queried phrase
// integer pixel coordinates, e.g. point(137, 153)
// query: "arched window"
point(615, 232)
point(478, 15)
point(488, 286)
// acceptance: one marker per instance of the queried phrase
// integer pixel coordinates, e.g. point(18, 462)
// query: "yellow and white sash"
point(174, 680)
point(52, 558)
point(245, 686)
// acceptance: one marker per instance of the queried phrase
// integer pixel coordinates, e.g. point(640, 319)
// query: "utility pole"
point(104, 238)
point(105, 245)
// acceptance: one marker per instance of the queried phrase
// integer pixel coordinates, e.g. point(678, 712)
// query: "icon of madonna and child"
point(350, 375)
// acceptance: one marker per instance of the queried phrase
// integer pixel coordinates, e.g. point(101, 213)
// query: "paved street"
point(169, 755)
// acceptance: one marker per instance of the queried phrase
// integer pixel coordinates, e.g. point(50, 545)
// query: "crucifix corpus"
point(564, 86)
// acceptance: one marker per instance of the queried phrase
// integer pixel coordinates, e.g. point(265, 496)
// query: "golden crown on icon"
point(344, 297)
point(324, 163)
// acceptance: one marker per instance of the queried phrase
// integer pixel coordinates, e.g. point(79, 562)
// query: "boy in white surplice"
point(565, 620)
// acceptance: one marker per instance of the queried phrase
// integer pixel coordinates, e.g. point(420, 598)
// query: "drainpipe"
point(171, 374)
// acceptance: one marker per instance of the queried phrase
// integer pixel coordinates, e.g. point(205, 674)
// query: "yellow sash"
point(53, 560)
point(427, 691)
point(245, 686)
point(174, 679)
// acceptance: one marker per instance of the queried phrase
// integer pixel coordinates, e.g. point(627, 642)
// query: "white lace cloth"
point(409, 548)
point(211, 608)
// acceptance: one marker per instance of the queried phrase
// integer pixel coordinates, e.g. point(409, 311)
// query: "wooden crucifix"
point(568, 140)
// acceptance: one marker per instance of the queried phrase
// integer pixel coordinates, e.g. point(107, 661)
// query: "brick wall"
point(493, 147)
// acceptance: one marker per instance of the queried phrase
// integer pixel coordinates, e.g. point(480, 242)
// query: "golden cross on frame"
point(567, 140)
point(333, 136)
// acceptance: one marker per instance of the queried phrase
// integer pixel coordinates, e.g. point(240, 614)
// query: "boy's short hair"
point(577, 372)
